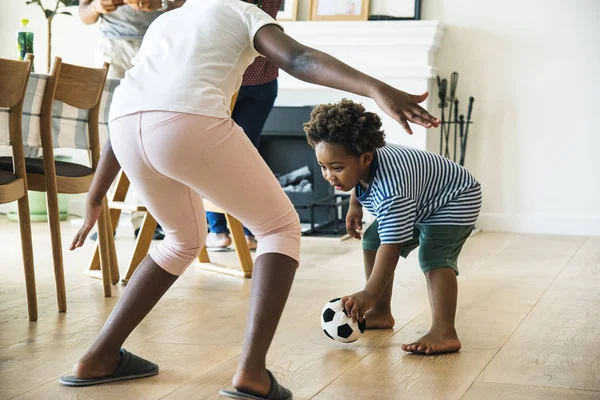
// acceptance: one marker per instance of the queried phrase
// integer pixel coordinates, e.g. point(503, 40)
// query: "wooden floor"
point(529, 320)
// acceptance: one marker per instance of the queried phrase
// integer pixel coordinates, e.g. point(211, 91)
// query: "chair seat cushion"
point(7, 177)
point(36, 166)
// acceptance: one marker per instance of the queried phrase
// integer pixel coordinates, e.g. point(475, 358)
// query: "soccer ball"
point(337, 326)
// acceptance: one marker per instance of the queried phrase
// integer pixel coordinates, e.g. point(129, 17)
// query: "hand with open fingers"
point(106, 6)
point(356, 305)
point(354, 221)
point(404, 107)
point(145, 5)
point(92, 213)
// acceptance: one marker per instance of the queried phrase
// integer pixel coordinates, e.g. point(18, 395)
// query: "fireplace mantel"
point(400, 53)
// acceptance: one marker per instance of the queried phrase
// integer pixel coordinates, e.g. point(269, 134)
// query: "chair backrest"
point(80, 87)
point(14, 76)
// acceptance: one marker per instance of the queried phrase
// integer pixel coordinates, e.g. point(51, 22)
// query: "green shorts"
point(440, 245)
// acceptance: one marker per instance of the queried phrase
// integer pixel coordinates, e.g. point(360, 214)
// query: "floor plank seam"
point(197, 377)
point(368, 354)
point(44, 296)
point(493, 255)
point(527, 314)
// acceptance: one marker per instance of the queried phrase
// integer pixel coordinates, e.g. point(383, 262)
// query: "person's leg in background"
point(252, 108)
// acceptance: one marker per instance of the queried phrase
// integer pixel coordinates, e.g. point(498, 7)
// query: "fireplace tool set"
point(454, 129)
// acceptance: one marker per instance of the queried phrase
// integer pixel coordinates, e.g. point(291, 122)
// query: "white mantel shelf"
point(400, 53)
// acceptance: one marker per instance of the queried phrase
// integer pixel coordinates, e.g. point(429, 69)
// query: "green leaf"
point(49, 13)
point(66, 13)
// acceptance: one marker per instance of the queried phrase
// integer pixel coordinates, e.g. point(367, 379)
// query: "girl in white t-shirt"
point(171, 132)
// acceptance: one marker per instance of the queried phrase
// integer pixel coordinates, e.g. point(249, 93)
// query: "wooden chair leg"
point(27, 248)
point(142, 245)
point(203, 257)
point(104, 249)
point(112, 252)
point(119, 195)
point(241, 246)
point(55, 238)
point(94, 264)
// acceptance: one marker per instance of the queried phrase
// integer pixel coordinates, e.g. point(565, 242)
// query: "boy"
point(418, 199)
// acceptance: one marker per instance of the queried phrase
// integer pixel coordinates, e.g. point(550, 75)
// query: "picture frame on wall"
point(339, 10)
point(288, 10)
point(408, 10)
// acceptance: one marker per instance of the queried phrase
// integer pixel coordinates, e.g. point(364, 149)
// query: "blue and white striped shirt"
point(410, 186)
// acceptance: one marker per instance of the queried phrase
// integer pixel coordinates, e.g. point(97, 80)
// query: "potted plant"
point(60, 7)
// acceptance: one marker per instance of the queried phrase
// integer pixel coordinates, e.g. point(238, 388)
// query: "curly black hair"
point(345, 123)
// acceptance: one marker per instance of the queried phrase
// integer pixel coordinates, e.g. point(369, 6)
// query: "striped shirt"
point(409, 187)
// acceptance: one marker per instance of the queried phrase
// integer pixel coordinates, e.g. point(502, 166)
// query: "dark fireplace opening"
point(284, 148)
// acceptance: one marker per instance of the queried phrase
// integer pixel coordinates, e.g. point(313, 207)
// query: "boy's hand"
point(354, 221)
point(404, 107)
point(91, 216)
point(356, 305)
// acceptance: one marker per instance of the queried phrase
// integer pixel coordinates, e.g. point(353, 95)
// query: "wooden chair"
point(81, 88)
point(239, 242)
point(144, 239)
point(14, 76)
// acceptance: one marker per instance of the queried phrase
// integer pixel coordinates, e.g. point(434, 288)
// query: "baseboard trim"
point(544, 224)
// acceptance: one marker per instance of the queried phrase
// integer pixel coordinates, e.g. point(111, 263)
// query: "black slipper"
point(277, 392)
point(130, 367)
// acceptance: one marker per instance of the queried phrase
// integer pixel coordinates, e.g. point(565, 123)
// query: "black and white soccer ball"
point(337, 326)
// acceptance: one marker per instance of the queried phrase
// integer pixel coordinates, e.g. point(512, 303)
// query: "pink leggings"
point(174, 160)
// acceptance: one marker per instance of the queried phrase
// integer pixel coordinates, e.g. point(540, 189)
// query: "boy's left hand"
point(356, 305)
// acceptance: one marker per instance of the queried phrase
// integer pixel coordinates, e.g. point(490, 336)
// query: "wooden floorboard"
point(528, 315)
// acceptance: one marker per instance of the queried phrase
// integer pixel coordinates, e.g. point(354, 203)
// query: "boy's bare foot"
point(434, 342)
point(218, 240)
point(379, 320)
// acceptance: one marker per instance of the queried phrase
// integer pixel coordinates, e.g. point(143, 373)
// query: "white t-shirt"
point(192, 59)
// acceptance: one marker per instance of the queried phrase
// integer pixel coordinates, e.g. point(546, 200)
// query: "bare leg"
point(380, 316)
point(147, 285)
point(272, 280)
point(443, 293)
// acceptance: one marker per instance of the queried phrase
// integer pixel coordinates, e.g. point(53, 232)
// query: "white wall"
point(72, 40)
point(533, 68)
point(75, 42)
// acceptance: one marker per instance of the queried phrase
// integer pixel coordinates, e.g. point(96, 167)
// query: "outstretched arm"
point(316, 67)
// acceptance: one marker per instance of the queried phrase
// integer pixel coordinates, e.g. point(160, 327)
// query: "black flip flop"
point(130, 367)
point(277, 392)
